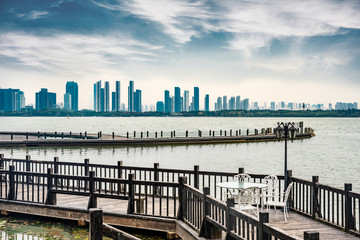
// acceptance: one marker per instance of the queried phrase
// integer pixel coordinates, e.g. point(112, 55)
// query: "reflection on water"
point(332, 154)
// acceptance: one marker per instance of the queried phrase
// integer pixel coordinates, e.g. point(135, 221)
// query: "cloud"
point(33, 15)
point(180, 19)
point(73, 53)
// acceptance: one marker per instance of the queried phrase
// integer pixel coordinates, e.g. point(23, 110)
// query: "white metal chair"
point(243, 177)
point(248, 200)
point(282, 201)
point(272, 183)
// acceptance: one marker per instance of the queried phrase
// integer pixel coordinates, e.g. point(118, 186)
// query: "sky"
point(293, 51)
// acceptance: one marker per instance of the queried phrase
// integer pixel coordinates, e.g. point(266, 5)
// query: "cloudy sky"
point(301, 51)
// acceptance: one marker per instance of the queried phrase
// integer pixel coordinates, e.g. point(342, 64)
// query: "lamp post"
point(286, 130)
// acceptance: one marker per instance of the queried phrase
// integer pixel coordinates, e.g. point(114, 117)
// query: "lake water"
point(333, 154)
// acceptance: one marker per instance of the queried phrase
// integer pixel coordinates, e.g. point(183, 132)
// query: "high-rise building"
point(167, 101)
point(102, 100)
point(98, 104)
point(45, 99)
point(245, 104)
point(11, 100)
point(219, 104)
point(272, 106)
point(113, 100)
point(177, 105)
point(137, 101)
point(117, 96)
point(160, 106)
point(72, 89)
point(186, 101)
point(67, 102)
point(207, 103)
point(107, 97)
point(232, 103)
point(256, 106)
point(238, 103)
point(196, 99)
point(131, 96)
point(225, 107)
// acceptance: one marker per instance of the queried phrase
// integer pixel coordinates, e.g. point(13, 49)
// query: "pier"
point(33, 139)
point(182, 203)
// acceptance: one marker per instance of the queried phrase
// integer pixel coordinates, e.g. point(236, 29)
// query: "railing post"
point(311, 235)
point(50, 197)
point(27, 163)
point(230, 221)
point(120, 175)
point(11, 194)
point(56, 169)
point(2, 164)
point(92, 199)
point(181, 215)
point(241, 170)
point(131, 203)
point(196, 176)
point(315, 198)
point(349, 217)
point(156, 179)
point(263, 218)
point(113, 135)
point(95, 224)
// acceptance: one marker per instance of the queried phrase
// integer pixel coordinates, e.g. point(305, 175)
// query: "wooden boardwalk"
point(296, 224)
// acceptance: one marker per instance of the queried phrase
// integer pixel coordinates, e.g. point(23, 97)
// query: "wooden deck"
point(296, 224)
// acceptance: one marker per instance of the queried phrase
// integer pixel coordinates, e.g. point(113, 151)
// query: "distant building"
point(245, 104)
point(272, 106)
point(137, 101)
point(72, 89)
point(45, 100)
point(238, 103)
point(196, 99)
point(160, 106)
point(207, 103)
point(67, 102)
point(98, 99)
point(107, 97)
point(117, 99)
point(186, 101)
point(256, 106)
point(11, 100)
point(131, 96)
point(232, 103)
point(167, 101)
point(113, 100)
point(219, 104)
point(225, 107)
point(177, 101)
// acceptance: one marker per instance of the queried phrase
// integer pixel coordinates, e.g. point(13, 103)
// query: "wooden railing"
point(334, 206)
point(209, 217)
point(337, 207)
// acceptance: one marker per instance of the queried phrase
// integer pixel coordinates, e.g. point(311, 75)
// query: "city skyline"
point(269, 51)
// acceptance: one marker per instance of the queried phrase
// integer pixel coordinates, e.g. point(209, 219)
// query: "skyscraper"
point(45, 99)
point(167, 101)
point(97, 97)
point(107, 97)
point(131, 96)
point(232, 103)
point(196, 99)
point(245, 104)
point(238, 103)
point(67, 102)
point(177, 100)
point(272, 106)
point(72, 89)
point(137, 101)
point(207, 104)
point(160, 106)
point(219, 104)
point(224, 103)
point(186, 101)
point(117, 96)
point(11, 100)
point(102, 100)
point(113, 100)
